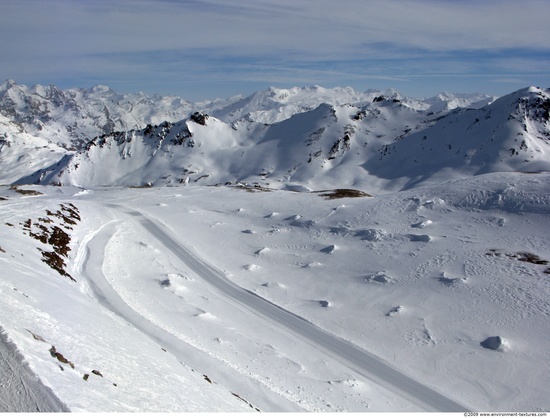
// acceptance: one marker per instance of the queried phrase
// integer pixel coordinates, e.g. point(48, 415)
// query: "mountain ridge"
point(311, 137)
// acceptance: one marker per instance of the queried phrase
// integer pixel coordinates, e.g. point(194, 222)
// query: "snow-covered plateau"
point(301, 249)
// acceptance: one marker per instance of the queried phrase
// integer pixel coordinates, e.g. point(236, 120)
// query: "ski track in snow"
point(20, 389)
point(344, 352)
point(91, 270)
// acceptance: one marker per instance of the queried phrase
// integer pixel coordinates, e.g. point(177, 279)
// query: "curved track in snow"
point(360, 361)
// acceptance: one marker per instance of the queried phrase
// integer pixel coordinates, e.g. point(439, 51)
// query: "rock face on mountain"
point(72, 117)
point(312, 137)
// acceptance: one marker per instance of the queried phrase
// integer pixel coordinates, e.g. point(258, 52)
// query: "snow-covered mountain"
point(296, 138)
point(247, 296)
point(70, 118)
point(511, 134)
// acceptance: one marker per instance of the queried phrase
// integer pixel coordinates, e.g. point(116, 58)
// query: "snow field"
point(442, 321)
point(291, 374)
point(418, 278)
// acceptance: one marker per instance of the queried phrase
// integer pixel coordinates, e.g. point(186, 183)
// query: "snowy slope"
point(22, 153)
point(417, 279)
point(511, 134)
point(45, 313)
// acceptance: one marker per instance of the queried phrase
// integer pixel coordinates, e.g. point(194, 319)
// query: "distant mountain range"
point(300, 138)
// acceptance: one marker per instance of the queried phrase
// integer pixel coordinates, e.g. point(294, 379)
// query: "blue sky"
point(203, 49)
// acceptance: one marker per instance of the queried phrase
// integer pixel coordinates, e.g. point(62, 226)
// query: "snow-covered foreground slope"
point(151, 296)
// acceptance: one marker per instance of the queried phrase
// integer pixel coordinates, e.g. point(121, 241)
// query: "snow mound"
point(263, 250)
point(495, 343)
point(330, 249)
point(164, 283)
point(251, 267)
point(394, 311)
point(274, 285)
point(379, 277)
point(350, 383)
point(205, 315)
point(451, 281)
point(418, 238)
point(313, 264)
point(422, 224)
point(173, 282)
point(82, 193)
point(372, 235)
point(303, 224)
point(433, 203)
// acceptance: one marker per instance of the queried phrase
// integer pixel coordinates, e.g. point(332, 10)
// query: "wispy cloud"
point(237, 45)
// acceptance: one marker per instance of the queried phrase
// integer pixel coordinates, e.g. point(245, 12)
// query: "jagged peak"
point(199, 117)
point(533, 89)
point(45, 91)
point(8, 84)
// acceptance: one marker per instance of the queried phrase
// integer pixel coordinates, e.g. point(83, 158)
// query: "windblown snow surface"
point(159, 303)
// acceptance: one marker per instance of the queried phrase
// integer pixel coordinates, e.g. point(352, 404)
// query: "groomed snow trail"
point(20, 388)
point(358, 360)
point(91, 268)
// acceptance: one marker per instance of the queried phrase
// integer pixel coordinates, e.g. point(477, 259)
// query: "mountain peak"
point(533, 89)
point(7, 84)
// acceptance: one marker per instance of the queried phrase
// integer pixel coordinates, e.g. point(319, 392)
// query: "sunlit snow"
point(261, 288)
